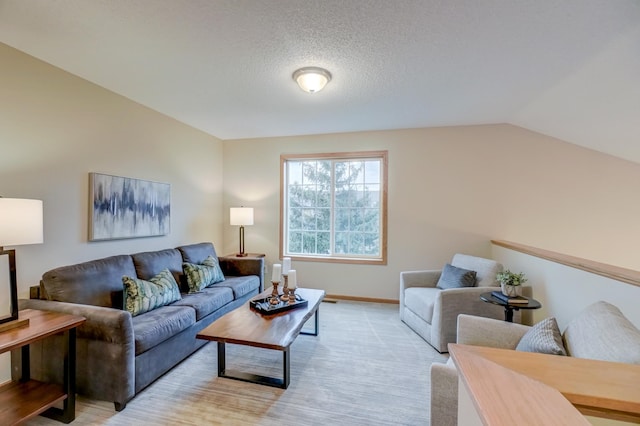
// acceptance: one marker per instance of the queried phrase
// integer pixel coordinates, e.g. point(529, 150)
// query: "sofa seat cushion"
point(154, 327)
point(207, 301)
point(240, 286)
point(420, 300)
point(603, 333)
point(97, 282)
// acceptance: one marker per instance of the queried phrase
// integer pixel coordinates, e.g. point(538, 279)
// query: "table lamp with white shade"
point(241, 216)
point(20, 224)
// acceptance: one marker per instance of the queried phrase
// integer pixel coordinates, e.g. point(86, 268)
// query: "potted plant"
point(510, 282)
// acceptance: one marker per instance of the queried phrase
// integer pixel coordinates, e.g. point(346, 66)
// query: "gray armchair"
point(433, 313)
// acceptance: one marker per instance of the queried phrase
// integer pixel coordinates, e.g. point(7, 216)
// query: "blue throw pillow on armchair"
point(454, 277)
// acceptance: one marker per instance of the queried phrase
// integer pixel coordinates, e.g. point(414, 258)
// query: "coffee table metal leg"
point(255, 378)
point(221, 359)
point(316, 322)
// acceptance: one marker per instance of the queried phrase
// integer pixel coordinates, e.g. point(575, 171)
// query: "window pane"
point(295, 242)
point(323, 219)
point(372, 172)
point(309, 219)
point(371, 244)
point(342, 220)
point(309, 242)
point(324, 243)
point(294, 170)
point(295, 219)
point(342, 242)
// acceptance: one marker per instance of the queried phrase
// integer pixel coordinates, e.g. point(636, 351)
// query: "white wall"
point(55, 128)
point(452, 190)
point(565, 291)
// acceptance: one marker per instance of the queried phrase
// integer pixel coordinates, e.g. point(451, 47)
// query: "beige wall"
point(564, 291)
point(452, 190)
point(55, 128)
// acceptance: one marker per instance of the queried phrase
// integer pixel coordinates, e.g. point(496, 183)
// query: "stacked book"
point(509, 299)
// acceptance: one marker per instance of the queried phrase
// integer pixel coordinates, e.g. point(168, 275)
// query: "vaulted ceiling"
point(566, 68)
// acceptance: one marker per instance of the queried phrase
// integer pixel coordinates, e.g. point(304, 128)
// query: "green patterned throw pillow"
point(142, 296)
point(204, 275)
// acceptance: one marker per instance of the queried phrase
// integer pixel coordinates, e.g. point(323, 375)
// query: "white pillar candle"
point(275, 275)
point(286, 265)
point(293, 279)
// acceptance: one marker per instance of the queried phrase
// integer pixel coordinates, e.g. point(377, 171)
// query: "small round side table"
point(510, 307)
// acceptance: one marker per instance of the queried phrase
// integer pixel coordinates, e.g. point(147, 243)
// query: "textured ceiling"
point(566, 68)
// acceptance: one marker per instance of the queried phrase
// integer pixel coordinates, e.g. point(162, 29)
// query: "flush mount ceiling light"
point(312, 79)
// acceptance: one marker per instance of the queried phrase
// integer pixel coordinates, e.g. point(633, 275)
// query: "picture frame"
point(122, 207)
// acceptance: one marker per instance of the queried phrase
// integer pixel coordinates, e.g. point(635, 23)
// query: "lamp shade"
point(20, 222)
point(241, 216)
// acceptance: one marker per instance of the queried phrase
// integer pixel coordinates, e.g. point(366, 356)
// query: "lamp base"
point(14, 324)
point(241, 254)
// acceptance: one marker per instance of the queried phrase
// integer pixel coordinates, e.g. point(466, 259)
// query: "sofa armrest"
point(479, 331)
point(104, 324)
point(242, 266)
point(452, 302)
point(105, 352)
point(419, 279)
point(444, 394)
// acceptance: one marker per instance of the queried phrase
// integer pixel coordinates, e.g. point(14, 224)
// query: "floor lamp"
point(20, 224)
point(241, 216)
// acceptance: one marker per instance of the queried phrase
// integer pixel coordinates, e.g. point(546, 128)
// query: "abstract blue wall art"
point(123, 207)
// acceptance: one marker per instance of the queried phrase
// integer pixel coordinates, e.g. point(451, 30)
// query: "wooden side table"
point(510, 307)
point(27, 398)
point(248, 256)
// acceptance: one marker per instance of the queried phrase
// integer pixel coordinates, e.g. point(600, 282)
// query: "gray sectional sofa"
point(118, 354)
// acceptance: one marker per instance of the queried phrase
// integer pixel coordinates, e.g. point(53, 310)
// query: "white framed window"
point(334, 207)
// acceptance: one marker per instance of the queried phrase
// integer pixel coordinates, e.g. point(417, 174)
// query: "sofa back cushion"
point(197, 253)
point(486, 269)
point(149, 264)
point(603, 333)
point(97, 282)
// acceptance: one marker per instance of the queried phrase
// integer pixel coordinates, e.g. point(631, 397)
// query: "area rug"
point(364, 368)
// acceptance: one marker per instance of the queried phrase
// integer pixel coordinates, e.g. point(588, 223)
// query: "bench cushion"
point(207, 301)
point(154, 327)
point(241, 286)
point(421, 300)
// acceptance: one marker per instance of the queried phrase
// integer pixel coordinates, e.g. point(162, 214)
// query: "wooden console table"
point(23, 399)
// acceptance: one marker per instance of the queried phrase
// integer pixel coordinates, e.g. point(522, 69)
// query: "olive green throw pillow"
point(203, 275)
point(142, 296)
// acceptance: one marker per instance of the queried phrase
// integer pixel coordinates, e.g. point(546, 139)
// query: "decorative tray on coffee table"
point(265, 307)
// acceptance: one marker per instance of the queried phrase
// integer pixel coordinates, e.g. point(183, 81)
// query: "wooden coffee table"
point(246, 326)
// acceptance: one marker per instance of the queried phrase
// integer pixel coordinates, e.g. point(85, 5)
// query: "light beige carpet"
point(365, 368)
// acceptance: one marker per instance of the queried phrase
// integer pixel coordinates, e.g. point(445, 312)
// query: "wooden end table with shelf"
point(26, 398)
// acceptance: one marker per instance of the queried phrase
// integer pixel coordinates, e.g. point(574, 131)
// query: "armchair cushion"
point(544, 338)
point(421, 301)
point(455, 277)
